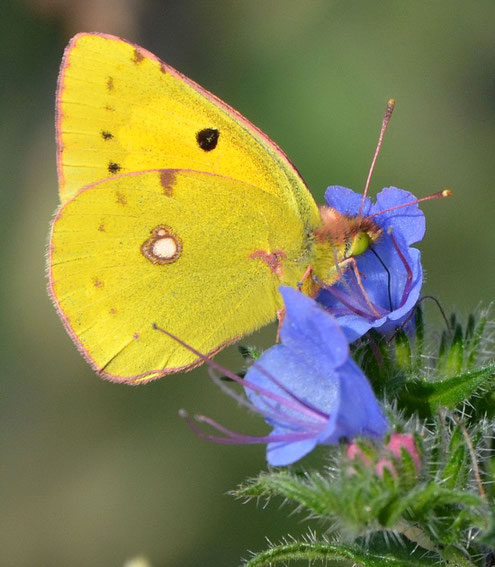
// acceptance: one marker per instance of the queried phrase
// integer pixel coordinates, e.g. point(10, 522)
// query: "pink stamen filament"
point(342, 279)
point(293, 403)
point(360, 286)
point(235, 438)
point(341, 297)
point(358, 282)
point(275, 415)
point(311, 411)
point(407, 287)
point(357, 294)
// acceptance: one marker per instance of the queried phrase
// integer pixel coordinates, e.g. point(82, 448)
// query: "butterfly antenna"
point(386, 120)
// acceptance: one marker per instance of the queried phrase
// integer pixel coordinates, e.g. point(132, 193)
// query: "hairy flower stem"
point(472, 452)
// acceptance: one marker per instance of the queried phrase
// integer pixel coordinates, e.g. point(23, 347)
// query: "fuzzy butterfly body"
point(175, 210)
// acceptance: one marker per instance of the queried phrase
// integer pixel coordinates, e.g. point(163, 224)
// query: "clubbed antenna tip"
point(386, 119)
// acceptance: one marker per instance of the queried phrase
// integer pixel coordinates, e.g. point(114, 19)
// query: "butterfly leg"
point(305, 276)
point(280, 317)
point(351, 262)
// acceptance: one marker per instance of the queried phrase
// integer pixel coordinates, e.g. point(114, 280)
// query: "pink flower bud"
point(385, 464)
point(399, 441)
point(354, 451)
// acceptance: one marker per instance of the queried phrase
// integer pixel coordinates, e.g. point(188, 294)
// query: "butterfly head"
point(348, 235)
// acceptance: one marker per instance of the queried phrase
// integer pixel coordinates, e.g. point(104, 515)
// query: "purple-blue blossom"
point(390, 269)
point(324, 395)
point(308, 388)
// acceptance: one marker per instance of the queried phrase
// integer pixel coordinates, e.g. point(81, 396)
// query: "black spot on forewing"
point(137, 57)
point(207, 139)
point(110, 85)
point(106, 135)
point(113, 167)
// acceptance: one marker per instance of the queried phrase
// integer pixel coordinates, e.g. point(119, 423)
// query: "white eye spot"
point(164, 248)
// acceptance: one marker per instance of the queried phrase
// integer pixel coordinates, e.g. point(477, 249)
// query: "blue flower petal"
point(282, 454)
point(408, 221)
point(308, 329)
point(346, 201)
point(304, 375)
point(366, 417)
point(321, 395)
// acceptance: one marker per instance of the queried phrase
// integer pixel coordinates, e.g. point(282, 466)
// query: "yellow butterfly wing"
point(120, 109)
point(182, 249)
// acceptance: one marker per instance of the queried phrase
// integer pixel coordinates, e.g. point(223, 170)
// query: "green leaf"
point(440, 496)
point(315, 496)
point(426, 397)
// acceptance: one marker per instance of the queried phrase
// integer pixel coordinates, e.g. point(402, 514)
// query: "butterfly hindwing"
point(176, 248)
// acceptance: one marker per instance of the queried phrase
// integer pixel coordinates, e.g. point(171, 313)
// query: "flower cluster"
point(308, 389)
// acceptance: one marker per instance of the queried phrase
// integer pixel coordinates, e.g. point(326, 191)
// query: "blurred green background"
point(92, 473)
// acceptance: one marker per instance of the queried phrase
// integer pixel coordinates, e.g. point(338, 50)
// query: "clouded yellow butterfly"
point(175, 210)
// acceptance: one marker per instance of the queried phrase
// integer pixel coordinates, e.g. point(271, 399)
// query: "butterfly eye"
point(207, 139)
point(359, 244)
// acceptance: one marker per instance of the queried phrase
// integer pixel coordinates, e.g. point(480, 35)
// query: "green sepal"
point(455, 472)
point(475, 339)
point(419, 326)
point(487, 538)
point(454, 360)
point(249, 352)
point(408, 475)
point(402, 350)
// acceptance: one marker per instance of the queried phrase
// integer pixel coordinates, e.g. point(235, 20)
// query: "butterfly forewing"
point(120, 110)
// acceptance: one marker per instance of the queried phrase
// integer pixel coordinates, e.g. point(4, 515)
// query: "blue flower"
point(321, 394)
point(390, 270)
point(307, 388)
